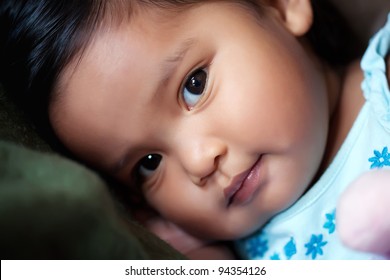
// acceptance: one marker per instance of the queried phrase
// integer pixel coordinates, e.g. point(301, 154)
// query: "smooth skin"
point(190, 100)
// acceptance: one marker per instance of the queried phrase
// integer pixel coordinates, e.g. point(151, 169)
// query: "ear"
point(296, 15)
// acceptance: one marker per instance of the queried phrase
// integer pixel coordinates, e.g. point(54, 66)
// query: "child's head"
point(218, 110)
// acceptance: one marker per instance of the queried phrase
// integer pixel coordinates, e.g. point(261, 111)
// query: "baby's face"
point(222, 116)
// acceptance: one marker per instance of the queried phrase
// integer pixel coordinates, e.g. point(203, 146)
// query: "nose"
point(201, 157)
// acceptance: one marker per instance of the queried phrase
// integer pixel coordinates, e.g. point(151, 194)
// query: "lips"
point(243, 186)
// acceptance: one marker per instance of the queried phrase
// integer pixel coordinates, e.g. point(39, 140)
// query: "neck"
point(345, 101)
point(334, 80)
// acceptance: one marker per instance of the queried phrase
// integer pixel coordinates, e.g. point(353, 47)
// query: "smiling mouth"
point(243, 186)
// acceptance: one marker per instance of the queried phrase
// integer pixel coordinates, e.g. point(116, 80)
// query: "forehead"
point(152, 28)
point(150, 34)
point(149, 25)
point(137, 44)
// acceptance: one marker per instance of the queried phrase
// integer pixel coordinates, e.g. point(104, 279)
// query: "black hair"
point(331, 36)
point(38, 38)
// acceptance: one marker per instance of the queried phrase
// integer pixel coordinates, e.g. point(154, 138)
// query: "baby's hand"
point(363, 215)
point(167, 231)
point(190, 246)
point(175, 236)
point(187, 244)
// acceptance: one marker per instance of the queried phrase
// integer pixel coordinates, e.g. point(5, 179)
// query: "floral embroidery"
point(314, 246)
point(257, 247)
point(275, 257)
point(290, 249)
point(380, 159)
point(331, 222)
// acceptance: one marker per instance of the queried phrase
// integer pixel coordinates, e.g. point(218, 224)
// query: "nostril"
point(202, 161)
point(203, 180)
point(199, 181)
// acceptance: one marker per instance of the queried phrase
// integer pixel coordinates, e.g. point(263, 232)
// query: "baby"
point(220, 112)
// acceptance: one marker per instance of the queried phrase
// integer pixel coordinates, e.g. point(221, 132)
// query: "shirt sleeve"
point(376, 85)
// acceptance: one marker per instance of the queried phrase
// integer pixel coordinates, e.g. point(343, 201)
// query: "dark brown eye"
point(147, 165)
point(194, 87)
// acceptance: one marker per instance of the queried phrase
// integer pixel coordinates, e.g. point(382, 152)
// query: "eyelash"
point(137, 175)
point(201, 72)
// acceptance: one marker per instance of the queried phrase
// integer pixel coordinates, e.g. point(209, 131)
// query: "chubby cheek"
point(180, 201)
point(281, 121)
point(279, 105)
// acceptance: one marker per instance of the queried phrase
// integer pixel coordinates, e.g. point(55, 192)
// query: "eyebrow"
point(170, 64)
point(168, 68)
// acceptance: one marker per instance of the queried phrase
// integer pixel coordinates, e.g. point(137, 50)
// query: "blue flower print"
point(290, 249)
point(331, 222)
point(380, 159)
point(257, 247)
point(314, 246)
point(275, 257)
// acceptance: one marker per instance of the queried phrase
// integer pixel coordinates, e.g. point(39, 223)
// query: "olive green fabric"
point(54, 208)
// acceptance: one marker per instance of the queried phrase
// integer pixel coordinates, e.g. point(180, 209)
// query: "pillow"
point(55, 208)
